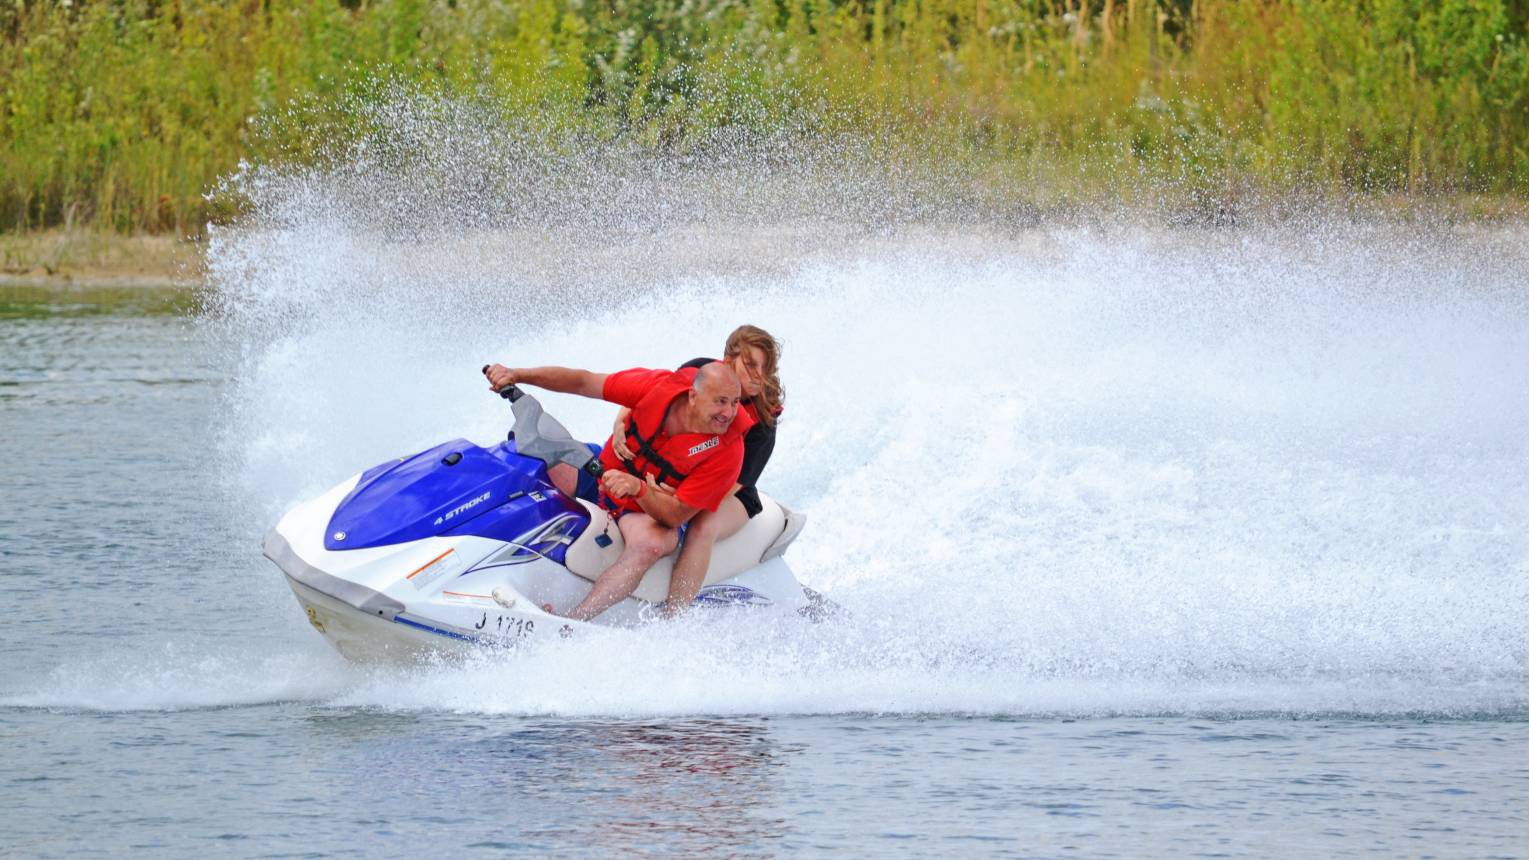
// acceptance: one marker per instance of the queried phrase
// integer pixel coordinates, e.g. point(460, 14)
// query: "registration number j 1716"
point(507, 625)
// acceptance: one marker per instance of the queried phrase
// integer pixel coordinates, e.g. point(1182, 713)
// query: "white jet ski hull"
point(456, 591)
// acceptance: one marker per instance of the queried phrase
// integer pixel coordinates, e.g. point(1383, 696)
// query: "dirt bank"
point(89, 259)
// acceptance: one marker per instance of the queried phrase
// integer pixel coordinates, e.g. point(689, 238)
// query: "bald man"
point(686, 435)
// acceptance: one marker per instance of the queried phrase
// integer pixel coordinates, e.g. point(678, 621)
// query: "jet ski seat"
point(764, 537)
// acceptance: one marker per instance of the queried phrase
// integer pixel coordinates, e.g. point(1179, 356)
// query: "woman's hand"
point(619, 485)
point(656, 487)
point(618, 435)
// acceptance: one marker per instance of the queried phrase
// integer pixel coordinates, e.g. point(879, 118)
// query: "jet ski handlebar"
point(543, 437)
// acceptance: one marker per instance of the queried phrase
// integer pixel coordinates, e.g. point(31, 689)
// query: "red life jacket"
point(671, 459)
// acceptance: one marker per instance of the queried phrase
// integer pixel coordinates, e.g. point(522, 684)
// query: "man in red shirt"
point(686, 432)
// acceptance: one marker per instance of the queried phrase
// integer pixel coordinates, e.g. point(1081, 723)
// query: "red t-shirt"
point(709, 462)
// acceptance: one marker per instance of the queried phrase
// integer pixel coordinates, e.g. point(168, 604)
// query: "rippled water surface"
point(1154, 543)
point(304, 779)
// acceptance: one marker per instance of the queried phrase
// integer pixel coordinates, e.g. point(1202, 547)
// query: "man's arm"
point(664, 507)
point(667, 510)
point(566, 380)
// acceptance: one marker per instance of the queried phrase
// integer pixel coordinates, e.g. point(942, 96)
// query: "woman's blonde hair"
point(772, 395)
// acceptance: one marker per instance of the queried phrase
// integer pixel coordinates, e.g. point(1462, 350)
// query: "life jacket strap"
point(644, 448)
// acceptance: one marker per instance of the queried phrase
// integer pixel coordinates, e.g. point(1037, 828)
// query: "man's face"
point(717, 402)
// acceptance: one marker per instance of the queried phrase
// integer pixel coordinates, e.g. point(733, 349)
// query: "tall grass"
point(122, 113)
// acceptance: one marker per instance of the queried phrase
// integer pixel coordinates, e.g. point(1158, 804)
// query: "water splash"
point(179, 675)
point(1074, 467)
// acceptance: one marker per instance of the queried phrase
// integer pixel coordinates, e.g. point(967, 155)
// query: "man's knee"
point(652, 541)
point(658, 543)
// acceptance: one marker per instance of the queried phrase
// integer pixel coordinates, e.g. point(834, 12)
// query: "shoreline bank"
point(83, 259)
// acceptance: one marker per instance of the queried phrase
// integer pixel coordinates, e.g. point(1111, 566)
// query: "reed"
point(121, 114)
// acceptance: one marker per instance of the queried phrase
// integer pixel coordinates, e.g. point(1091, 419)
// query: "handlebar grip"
point(509, 392)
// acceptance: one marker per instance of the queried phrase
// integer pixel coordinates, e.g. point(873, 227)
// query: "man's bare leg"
point(565, 478)
point(646, 543)
point(705, 529)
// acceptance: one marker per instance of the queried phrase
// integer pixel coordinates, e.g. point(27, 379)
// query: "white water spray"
point(1052, 469)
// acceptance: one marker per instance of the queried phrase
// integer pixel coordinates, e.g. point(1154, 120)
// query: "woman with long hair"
point(754, 355)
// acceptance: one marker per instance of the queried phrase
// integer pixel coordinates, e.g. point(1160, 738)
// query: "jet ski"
point(461, 546)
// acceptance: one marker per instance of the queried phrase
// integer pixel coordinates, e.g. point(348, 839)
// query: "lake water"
point(1154, 542)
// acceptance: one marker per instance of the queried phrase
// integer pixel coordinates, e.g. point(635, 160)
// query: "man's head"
point(714, 398)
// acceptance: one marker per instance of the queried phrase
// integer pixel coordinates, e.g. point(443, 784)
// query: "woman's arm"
point(665, 507)
point(758, 445)
point(656, 502)
point(618, 434)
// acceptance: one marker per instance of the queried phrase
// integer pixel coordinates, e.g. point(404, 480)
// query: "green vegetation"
point(120, 114)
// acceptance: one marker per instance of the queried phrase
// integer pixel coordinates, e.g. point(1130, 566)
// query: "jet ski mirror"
point(543, 437)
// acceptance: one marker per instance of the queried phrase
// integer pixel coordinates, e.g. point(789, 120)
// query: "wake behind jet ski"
point(463, 545)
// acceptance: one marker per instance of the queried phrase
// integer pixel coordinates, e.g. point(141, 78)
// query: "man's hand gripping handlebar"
point(501, 380)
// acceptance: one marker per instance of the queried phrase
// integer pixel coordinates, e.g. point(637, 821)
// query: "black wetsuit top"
point(758, 445)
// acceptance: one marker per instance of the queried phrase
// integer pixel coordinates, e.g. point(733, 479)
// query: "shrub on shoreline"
point(122, 114)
